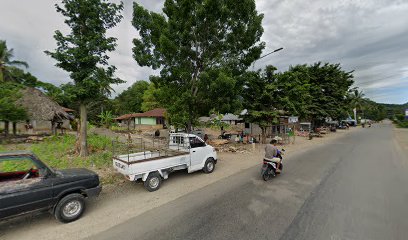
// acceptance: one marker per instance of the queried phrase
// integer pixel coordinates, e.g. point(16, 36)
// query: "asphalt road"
point(355, 188)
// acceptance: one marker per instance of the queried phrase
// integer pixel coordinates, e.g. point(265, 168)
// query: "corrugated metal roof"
point(158, 112)
point(231, 117)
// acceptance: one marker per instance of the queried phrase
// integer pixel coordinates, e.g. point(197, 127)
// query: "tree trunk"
point(6, 128)
point(53, 128)
point(78, 130)
point(263, 135)
point(189, 126)
point(14, 128)
point(83, 151)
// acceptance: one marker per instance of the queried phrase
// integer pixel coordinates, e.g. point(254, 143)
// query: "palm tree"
point(357, 100)
point(5, 61)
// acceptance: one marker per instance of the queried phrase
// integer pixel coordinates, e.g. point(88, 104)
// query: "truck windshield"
point(196, 142)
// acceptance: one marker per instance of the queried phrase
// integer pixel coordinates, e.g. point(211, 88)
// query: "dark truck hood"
point(78, 173)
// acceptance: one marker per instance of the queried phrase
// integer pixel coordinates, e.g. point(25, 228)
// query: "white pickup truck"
point(184, 151)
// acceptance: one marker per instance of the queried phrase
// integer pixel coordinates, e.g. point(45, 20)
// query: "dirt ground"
point(120, 202)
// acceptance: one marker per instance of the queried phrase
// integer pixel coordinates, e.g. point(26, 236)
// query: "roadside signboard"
point(406, 113)
point(295, 119)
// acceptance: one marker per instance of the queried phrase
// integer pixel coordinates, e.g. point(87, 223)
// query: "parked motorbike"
point(269, 167)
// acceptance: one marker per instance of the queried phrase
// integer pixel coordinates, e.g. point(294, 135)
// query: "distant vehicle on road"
point(270, 166)
point(28, 185)
point(184, 151)
point(350, 122)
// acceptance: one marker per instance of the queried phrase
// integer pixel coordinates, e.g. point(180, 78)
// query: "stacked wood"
point(218, 142)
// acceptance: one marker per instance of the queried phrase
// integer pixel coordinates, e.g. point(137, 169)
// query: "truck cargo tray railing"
point(156, 146)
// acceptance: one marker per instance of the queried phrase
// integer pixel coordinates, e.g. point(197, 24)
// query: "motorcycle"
point(269, 167)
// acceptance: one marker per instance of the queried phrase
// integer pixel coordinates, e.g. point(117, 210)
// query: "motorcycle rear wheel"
point(266, 176)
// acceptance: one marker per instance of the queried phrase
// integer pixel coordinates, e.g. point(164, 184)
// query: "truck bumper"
point(93, 192)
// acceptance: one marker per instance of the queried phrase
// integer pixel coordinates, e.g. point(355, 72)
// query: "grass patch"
point(59, 152)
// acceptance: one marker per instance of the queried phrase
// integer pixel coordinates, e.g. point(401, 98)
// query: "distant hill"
point(393, 109)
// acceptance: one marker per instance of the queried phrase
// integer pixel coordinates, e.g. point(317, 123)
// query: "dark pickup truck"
point(28, 185)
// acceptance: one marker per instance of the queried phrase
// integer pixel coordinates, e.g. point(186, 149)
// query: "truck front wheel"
point(209, 165)
point(153, 182)
point(70, 208)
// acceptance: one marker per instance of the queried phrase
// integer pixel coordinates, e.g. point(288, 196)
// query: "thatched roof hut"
point(40, 107)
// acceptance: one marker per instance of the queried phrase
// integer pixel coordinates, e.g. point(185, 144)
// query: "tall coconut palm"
point(357, 100)
point(6, 61)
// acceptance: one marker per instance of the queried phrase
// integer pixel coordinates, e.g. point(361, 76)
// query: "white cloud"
point(368, 36)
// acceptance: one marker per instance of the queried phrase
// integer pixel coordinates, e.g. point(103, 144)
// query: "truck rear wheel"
point(70, 208)
point(209, 165)
point(153, 182)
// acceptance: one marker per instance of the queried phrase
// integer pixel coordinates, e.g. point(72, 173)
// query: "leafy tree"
point(83, 52)
point(130, 100)
point(393, 109)
point(373, 110)
point(329, 86)
point(219, 90)
point(9, 110)
point(258, 99)
point(313, 92)
point(150, 98)
point(190, 41)
point(293, 91)
point(6, 62)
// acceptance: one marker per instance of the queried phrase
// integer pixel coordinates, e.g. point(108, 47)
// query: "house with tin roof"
point(155, 117)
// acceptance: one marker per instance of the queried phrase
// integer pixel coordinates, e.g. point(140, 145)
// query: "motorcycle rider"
point(271, 153)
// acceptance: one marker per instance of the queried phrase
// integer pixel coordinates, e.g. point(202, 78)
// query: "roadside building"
point(153, 118)
point(231, 119)
point(279, 128)
point(44, 113)
point(204, 120)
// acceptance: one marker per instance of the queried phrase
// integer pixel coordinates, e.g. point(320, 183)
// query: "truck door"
point(20, 192)
point(198, 152)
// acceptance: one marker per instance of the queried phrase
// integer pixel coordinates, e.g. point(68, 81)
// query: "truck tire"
point(209, 165)
point(70, 208)
point(153, 182)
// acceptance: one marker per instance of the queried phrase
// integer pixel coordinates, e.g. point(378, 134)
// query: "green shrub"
point(118, 128)
point(403, 124)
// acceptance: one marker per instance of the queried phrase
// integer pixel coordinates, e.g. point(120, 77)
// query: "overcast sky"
point(370, 37)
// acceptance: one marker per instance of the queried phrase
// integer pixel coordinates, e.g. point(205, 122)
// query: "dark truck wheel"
point(70, 208)
point(153, 182)
point(209, 165)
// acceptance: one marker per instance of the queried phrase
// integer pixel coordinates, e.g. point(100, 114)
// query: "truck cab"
point(194, 145)
point(28, 185)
